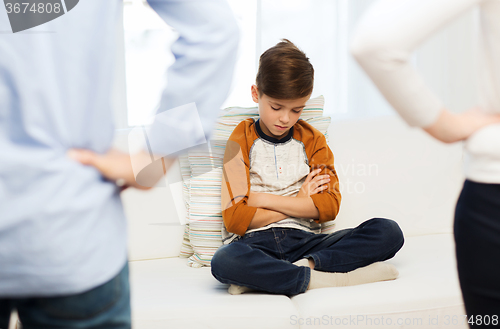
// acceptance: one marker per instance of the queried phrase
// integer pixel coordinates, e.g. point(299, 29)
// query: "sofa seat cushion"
point(426, 293)
point(168, 294)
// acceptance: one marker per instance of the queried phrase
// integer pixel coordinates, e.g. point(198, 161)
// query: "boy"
point(278, 185)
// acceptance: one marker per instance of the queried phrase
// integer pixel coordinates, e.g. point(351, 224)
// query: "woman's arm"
point(385, 38)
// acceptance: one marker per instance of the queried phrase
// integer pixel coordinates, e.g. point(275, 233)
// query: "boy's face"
point(278, 112)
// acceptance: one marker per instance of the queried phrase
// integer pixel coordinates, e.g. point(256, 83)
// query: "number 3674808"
point(33, 8)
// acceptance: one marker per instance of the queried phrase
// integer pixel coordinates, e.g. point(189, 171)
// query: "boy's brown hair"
point(285, 72)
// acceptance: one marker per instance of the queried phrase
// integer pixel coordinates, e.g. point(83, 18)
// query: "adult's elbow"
point(376, 52)
point(364, 47)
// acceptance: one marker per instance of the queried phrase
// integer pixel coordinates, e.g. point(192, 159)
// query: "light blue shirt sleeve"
point(199, 80)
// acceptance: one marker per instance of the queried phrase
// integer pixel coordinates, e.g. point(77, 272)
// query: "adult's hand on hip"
point(119, 167)
point(451, 127)
point(474, 119)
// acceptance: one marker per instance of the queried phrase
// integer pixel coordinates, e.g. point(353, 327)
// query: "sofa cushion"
point(154, 230)
point(168, 294)
point(426, 290)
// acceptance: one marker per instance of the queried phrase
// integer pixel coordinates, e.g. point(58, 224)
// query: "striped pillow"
point(201, 170)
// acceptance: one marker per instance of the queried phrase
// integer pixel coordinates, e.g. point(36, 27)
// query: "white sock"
point(378, 271)
point(237, 290)
point(302, 262)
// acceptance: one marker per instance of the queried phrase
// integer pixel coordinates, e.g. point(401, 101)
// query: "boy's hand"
point(313, 185)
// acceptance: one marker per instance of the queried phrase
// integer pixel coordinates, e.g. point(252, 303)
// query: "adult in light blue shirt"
point(62, 225)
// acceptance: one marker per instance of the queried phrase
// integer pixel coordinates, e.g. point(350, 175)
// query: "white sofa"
point(387, 170)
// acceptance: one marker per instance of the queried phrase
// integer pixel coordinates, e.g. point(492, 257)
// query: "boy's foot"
point(378, 271)
point(237, 290)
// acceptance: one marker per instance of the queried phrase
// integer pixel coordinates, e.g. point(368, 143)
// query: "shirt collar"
point(272, 139)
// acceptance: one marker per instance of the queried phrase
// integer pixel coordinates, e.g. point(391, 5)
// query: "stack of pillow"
point(201, 170)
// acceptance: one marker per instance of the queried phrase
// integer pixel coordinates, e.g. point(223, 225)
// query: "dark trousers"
point(263, 260)
point(104, 307)
point(477, 239)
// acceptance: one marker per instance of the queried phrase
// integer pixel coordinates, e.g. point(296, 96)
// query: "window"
point(147, 57)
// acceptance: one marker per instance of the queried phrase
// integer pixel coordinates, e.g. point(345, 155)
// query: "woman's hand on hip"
point(451, 127)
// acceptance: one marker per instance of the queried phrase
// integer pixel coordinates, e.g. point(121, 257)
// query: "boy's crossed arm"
point(273, 208)
point(243, 210)
point(265, 217)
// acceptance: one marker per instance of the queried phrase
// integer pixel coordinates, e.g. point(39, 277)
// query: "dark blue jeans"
point(263, 260)
point(104, 307)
